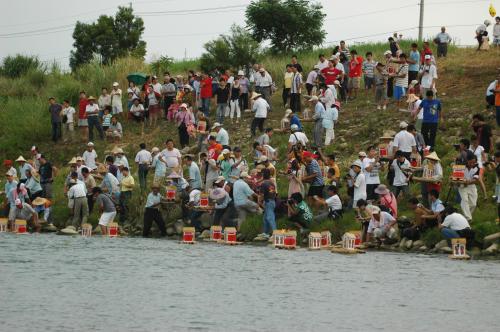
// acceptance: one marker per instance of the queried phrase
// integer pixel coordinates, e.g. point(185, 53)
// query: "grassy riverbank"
point(463, 78)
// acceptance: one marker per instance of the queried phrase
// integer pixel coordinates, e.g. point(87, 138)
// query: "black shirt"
point(45, 173)
point(222, 94)
point(55, 113)
point(484, 135)
point(268, 189)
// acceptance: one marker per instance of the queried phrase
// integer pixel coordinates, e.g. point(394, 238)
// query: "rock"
point(402, 244)
point(385, 246)
point(409, 243)
point(178, 226)
point(49, 228)
point(170, 231)
point(441, 244)
point(206, 220)
point(70, 230)
point(205, 234)
point(491, 249)
point(445, 250)
point(422, 248)
point(492, 237)
point(417, 244)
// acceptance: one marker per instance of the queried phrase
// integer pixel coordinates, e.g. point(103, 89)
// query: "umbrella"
point(137, 78)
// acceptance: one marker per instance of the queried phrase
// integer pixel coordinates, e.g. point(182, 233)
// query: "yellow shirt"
point(128, 183)
point(288, 80)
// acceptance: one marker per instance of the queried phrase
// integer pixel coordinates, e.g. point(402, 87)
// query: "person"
point(368, 69)
point(115, 130)
point(333, 72)
point(432, 114)
point(263, 84)
point(46, 172)
point(381, 225)
point(417, 226)
point(137, 110)
point(433, 217)
point(319, 113)
point(491, 95)
point(116, 99)
point(404, 141)
point(154, 96)
point(168, 91)
point(400, 80)
point(296, 64)
point(92, 111)
point(24, 211)
point(133, 92)
point(312, 77)
point(481, 32)
point(90, 184)
point(359, 182)
point(110, 183)
point(328, 94)
point(428, 76)
point(355, 72)
point(414, 63)
point(183, 120)
point(110, 165)
point(260, 108)
point(467, 188)
point(393, 46)
point(294, 119)
point(322, 62)
point(55, 111)
point(68, 113)
point(234, 100)
point(381, 83)
point(222, 136)
point(387, 199)
point(371, 168)
point(483, 133)
point(222, 100)
point(77, 195)
point(299, 212)
point(90, 156)
point(333, 204)
point(313, 176)
point(442, 40)
point(103, 100)
point(205, 93)
point(194, 178)
point(82, 115)
point(287, 85)
point(106, 208)
point(496, 32)
point(267, 198)
point(244, 89)
point(33, 185)
point(265, 138)
point(295, 90)
point(478, 151)
point(241, 196)
point(127, 184)
point(23, 167)
point(171, 156)
point(329, 119)
point(143, 159)
point(106, 118)
point(401, 166)
point(455, 225)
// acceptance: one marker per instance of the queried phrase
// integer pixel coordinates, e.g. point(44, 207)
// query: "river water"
point(58, 283)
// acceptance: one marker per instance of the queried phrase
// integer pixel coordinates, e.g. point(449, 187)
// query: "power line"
point(189, 11)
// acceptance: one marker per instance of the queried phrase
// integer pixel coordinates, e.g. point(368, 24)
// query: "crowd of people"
point(241, 184)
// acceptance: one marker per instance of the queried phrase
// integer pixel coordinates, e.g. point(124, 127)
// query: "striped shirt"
point(369, 68)
point(296, 83)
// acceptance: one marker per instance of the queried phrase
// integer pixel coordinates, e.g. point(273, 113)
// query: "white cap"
point(294, 127)
point(225, 151)
point(155, 149)
point(387, 53)
point(427, 57)
point(357, 163)
point(403, 124)
point(116, 84)
point(90, 144)
point(288, 112)
point(216, 125)
point(241, 73)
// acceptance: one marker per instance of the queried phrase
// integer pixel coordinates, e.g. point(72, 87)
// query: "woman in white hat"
point(116, 99)
point(433, 171)
point(244, 88)
point(23, 167)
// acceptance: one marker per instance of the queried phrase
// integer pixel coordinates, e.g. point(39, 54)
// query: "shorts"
point(69, 126)
point(380, 93)
point(496, 41)
point(106, 218)
point(83, 123)
point(315, 191)
point(354, 82)
point(399, 92)
point(369, 82)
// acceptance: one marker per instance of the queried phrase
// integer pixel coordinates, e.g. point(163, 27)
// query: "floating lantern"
point(20, 227)
point(290, 240)
point(170, 194)
point(203, 200)
point(215, 233)
point(458, 173)
point(229, 235)
point(326, 239)
point(188, 235)
point(314, 241)
point(3, 225)
point(459, 249)
point(279, 238)
point(113, 229)
point(348, 241)
point(86, 230)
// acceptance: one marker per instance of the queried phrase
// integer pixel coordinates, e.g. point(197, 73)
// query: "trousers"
point(80, 211)
point(150, 215)
point(468, 195)
point(93, 121)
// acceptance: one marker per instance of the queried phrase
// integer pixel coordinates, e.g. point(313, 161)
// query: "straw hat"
point(10, 172)
point(39, 201)
point(255, 95)
point(91, 98)
point(20, 159)
point(433, 156)
point(382, 189)
point(72, 161)
point(155, 149)
point(116, 84)
point(155, 185)
point(102, 169)
point(117, 150)
point(79, 158)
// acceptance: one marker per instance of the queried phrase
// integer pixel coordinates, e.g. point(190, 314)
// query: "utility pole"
point(421, 21)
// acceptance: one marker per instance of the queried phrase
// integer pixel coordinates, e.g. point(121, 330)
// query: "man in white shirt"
point(143, 159)
point(442, 40)
point(404, 141)
point(296, 136)
point(490, 93)
point(468, 189)
point(77, 194)
point(371, 167)
point(381, 225)
point(171, 157)
point(90, 156)
point(260, 108)
point(92, 111)
point(429, 75)
point(401, 166)
point(333, 203)
point(359, 182)
point(69, 111)
point(263, 84)
point(454, 225)
point(322, 63)
point(222, 136)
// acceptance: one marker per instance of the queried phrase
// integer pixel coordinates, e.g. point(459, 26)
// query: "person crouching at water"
point(106, 208)
point(24, 211)
point(381, 225)
point(152, 212)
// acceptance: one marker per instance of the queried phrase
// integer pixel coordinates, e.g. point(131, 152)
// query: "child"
point(381, 76)
point(69, 112)
point(401, 166)
point(106, 118)
point(369, 71)
point(172, 110)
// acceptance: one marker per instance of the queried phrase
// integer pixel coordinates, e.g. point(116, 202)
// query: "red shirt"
point(355, 70)
point(330, 74)
point(206, 88)
point(214, 151)
point(81, 108)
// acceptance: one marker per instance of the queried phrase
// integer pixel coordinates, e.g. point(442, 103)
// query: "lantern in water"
point(290, 240)
point(215, 233)
point(348, 241)
point(230, 235)
point(458, 246)
point(3, 225)
point(279, 238)
point(326, 239)
point(20, 227)
point(171, 192)
point(314, 241)
point(188, 235)
point(87, 230)
point(204, 200)
point(113, 229)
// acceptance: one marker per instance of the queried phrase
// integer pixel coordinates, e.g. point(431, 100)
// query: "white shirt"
point(359, 187)
point(263, 81)
point(427, 77)
point(492, 86)
point(400, 178)
point(116, 98)
point(298, 136)
point(371, 177)
point(89, 159)
point(385, 219)
point(260, 107)
point(322, 65)
point(222, 137)
point(340, 67)
point(328, 97)
point(143, 157)
point(404, 141)
point(137, 110)
point(194, 197)
point(77, 190)
point(171, 158)
point(69, 112)
point(478, 152)
point(456, 222)
point(334, 202)
point(311, 77)
point(91, 109)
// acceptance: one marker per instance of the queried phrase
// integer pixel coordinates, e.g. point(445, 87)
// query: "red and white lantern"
point(188, 235)
point(215, 233)
point(204, 200)
point(290, 241)
point(170, 194)
point(20, 227)
point(458, 172)
point(86, 230)
point(113, 229)
point(3, 225)
point(230, 235)
point(326, 239)
point(348, 241)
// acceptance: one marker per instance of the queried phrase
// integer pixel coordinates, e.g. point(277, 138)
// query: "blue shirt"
point(415, 56)
point(241, 192)
point(153, 199)
point(194, 176)
point(432, 109)
point(331, 115)
point(295, 120)
point(313, 167)
point(159, 166)
point(23, 169)
point(437, 206)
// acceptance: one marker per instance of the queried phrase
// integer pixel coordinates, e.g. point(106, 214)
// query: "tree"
point(236, 50)
point(109, 38)
point(159, 66)
point(19, 65)
point(287, 24)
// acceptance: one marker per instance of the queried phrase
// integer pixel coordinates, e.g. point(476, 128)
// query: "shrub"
point(432, 237)
point(19, 65)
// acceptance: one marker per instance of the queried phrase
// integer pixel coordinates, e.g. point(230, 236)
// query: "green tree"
point(19, 65)
point(108, 38)
point(161, 65)
point(235, 50)
point(287, 24)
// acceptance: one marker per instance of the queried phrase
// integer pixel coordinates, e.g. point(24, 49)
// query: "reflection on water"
point(57, 283)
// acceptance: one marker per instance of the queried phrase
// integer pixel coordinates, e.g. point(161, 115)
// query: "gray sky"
point(44, 28)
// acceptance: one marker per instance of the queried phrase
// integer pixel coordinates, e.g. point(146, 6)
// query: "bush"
point(432, 237)
point(483, 229)
point(19, 65)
